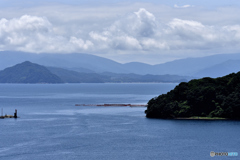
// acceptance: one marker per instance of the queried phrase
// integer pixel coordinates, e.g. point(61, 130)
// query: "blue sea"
point(51, 127)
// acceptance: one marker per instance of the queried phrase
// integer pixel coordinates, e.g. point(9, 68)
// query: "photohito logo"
point(212, 154)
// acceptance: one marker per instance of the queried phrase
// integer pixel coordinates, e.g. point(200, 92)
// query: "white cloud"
point(131, 33)
point(36, 34)
point(145, 23)
point(142, 32)
point(17, 33)
point(97, 36)
point(138, 31)
point(184, 6)
point(234, 31)
point(125, 43)
point(79, 43)
point(151, 44)
point(194, 35)
point(181, 24)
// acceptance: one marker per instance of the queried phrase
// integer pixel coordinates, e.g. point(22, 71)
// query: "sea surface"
point(51, 127)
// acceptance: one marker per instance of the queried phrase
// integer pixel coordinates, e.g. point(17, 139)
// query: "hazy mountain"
point(190, 66)
point(139, 68)
point(28, 72)
point(197, 67)
point(220, 69)
point(82, 70)
point(131, 77)
point(75, 61)
point(80, 60)
point(11, 58)
point(86, 63)
point(68, 76)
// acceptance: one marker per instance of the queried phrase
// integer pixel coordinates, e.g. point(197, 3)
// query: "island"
point(206, 98)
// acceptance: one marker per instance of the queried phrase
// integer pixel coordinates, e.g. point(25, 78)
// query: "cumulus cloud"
point(137, 32)
point(36, 34)
point(187, 34)
point(141, 31)
point(145, 23)
point(16, 31)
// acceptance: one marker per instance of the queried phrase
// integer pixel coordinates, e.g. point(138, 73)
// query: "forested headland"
point(206, 97)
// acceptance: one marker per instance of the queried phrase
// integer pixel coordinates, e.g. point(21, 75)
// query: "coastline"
point(193, 118)
point(201, 118)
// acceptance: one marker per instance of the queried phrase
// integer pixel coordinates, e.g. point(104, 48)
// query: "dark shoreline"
point(196, 118)
point(202, 118)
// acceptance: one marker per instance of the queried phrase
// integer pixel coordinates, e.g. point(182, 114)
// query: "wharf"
point(9, 116)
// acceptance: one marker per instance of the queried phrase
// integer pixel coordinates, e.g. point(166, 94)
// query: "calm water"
point(52, 127)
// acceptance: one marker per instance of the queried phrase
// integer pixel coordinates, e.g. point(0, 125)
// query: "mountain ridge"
point(93, 64)
point(28, 72)
point(221, 69)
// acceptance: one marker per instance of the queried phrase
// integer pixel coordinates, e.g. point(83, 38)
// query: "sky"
point(148, 31)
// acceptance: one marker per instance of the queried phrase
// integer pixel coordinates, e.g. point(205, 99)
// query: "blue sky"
point(153, 32)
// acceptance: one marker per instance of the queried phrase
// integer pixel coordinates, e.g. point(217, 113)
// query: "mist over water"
point(52, 127)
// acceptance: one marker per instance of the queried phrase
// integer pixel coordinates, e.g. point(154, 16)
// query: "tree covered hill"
point(28, 72)
point(206, 97)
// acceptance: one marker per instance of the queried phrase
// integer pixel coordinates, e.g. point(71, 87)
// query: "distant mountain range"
point(28, 72)
point(224, 68)
point(210, 66)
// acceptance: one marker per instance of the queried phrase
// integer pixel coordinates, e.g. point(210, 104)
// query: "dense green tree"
point(219, 97)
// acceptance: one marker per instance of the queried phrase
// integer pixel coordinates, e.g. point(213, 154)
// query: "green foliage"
point(219, 97)
point(184, 109)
